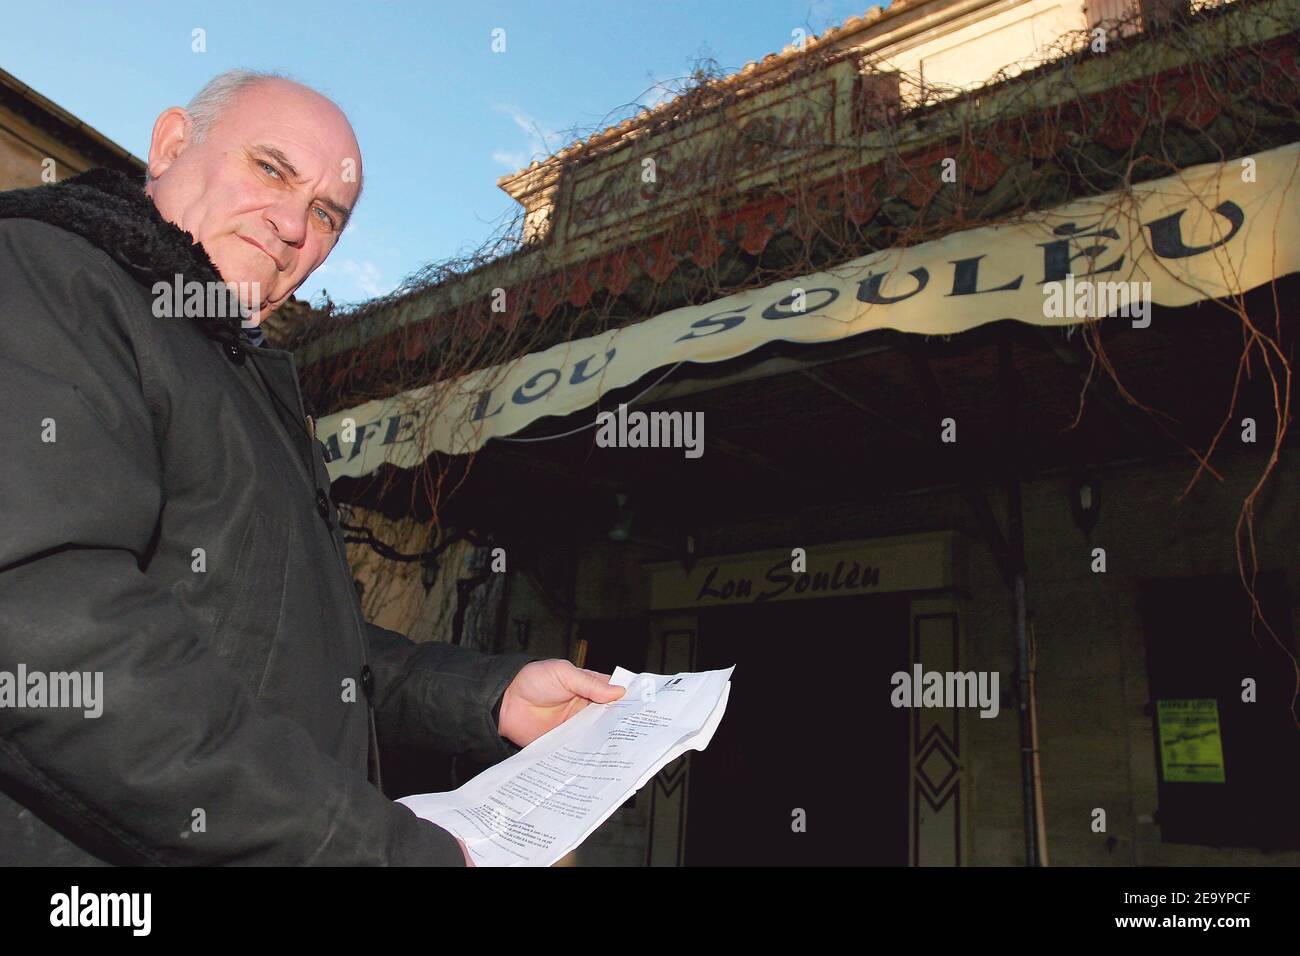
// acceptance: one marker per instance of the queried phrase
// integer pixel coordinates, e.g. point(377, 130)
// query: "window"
point(1199, 652)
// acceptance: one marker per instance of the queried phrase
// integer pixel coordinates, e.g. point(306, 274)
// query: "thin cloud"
point(362, 274)
point(542, 140)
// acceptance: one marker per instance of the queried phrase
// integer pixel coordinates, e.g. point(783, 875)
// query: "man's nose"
point(289, 220)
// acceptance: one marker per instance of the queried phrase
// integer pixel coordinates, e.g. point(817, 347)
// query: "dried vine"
point(1231, 88)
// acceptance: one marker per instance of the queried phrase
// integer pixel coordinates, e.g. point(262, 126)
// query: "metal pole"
point(1016, 544)
point(1026, 731)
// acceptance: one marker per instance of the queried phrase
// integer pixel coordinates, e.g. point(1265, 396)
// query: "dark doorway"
point(808, 725)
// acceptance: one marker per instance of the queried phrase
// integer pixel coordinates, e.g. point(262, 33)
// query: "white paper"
point(536, 806)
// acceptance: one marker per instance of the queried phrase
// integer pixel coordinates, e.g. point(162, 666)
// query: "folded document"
point(536, 806)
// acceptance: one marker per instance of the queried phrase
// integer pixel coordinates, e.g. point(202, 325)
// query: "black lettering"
point(481, 407)
point(869, 288)
point(1058, 260)
point(965, 278)
point(774, 311)
point(705, 590)
point(363, 432)
point(395, 424)
point(578, 376)
point(1167, 235)
point(716, 323)
point(777, 574)
point(520, 398)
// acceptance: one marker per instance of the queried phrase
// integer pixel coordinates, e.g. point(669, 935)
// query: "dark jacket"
point(227, 732)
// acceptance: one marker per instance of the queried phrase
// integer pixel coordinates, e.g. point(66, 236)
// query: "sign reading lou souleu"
point(1209, 232)
point(919, 562)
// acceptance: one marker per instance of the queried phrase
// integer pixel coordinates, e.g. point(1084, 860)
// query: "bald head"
point(264, 172)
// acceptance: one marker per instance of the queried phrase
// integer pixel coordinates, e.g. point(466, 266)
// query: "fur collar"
point(110, 210)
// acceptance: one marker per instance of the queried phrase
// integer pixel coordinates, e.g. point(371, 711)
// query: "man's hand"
point(469, 860)
point(547, 693)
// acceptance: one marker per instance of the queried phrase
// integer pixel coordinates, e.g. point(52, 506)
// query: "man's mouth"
point(258, 245)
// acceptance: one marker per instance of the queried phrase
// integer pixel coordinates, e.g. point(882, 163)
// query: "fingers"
point(594, 685)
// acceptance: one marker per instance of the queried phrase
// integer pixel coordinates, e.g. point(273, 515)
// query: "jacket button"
point(323, 505)
point(368, 682)
point(235, 353)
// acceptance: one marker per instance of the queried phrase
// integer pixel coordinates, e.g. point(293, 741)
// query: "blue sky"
point(440, 117)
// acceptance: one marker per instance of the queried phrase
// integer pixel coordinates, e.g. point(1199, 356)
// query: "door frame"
point(938, 822)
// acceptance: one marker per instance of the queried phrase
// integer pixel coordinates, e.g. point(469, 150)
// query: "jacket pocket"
point(248, 629)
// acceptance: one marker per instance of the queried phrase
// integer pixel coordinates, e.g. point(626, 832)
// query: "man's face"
point(268, 190)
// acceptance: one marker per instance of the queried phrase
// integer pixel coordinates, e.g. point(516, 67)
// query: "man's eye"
point(267, 166)
point(325, 217)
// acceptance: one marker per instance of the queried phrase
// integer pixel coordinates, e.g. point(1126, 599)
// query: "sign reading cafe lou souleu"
point(1180, 239)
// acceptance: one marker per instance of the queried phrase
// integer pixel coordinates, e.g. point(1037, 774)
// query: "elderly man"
point(167, 527)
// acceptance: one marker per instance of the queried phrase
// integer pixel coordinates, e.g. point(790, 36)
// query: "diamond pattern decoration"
point(936, 763)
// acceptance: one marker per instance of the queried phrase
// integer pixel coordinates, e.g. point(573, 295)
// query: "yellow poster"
point(1191, 750)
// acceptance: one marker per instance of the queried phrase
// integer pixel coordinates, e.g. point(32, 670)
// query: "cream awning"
point(1209, 232)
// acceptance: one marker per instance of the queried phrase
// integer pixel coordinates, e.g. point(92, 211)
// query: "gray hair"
point(220, 92)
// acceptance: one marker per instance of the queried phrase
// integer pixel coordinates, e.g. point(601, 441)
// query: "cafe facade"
point(950, 408)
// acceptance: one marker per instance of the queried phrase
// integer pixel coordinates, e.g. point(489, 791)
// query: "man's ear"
point(170, 138)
